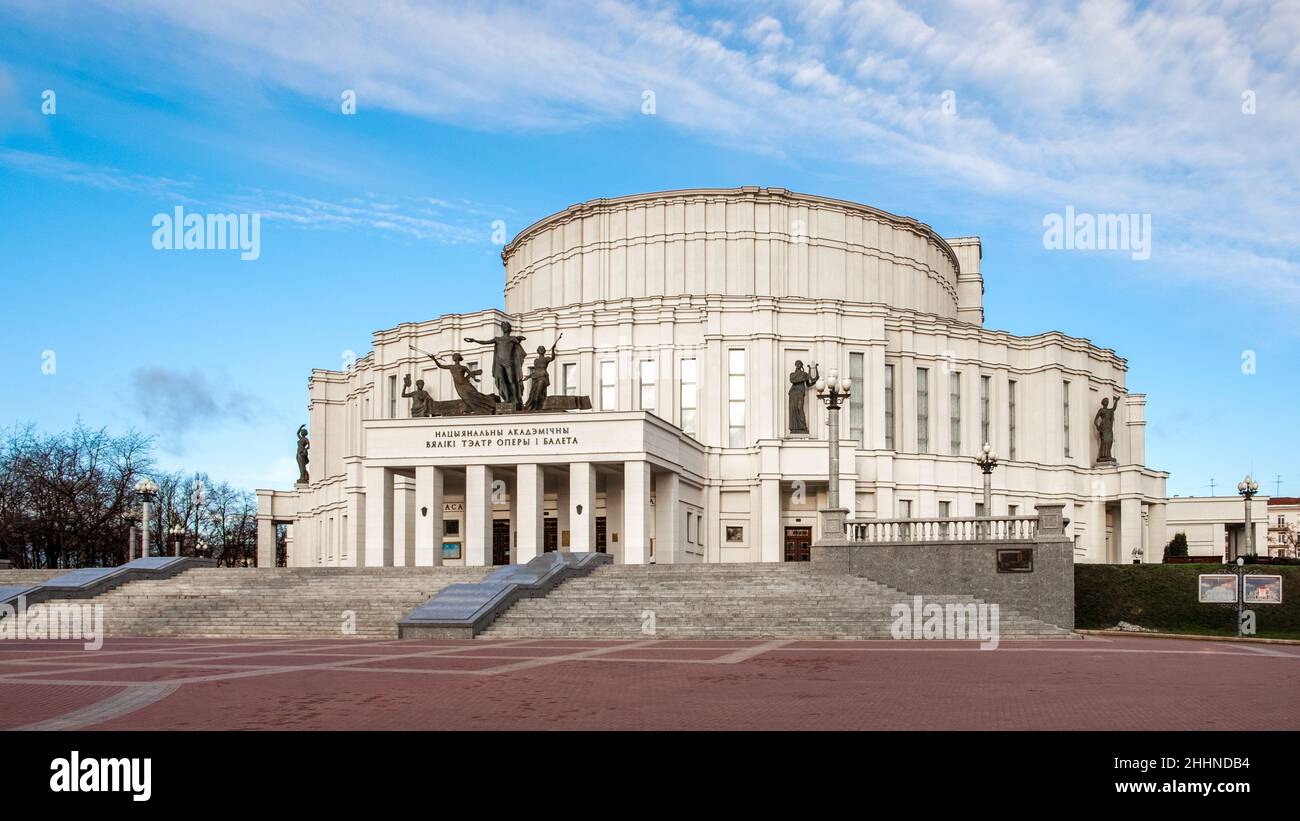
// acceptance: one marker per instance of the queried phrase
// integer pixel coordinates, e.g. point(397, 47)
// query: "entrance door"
point(500, 541)
point(600, 534)
point(798, 544)
point(550, 537)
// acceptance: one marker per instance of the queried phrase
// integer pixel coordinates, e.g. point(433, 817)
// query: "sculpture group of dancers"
point(507, 372)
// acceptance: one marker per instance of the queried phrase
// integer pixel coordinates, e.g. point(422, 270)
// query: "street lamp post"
point(197, 498)
point(833, 391)
point(178, 534)
point(987, 460)
point(147, 489)
point(1248, 487)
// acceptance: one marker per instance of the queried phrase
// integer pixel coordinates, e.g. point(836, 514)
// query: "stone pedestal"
point(830, 552)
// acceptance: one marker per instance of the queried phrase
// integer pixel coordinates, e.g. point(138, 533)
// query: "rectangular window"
point(922, 410)
point(905, 512)
point(954, 413)
point(979, 509)
point(690, 395)
point(648, 372)
point(1065, 415)
point(608, 386)
point(735, 534)
point(945, 510)
point(857, 399)
point(1012, 510)
point(392, 396)
point(1011, 419)
point(736, 398)
point(985, 390)
point(570, 379)
point(889, 407)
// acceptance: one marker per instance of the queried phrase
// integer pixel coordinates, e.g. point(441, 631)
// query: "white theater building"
point(682, 315)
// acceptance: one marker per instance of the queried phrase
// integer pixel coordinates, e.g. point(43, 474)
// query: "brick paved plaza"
point(1097, 683)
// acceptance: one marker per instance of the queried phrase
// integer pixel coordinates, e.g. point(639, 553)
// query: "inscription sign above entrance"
point(524, 436)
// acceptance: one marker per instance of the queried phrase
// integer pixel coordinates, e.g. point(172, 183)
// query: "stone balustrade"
point(985, 529)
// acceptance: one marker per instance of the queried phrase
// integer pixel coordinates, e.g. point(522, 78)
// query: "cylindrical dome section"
point(741, 242)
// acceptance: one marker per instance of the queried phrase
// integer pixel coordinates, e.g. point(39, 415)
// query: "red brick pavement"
point(1097, 683)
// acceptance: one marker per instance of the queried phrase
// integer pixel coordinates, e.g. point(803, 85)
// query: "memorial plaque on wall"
point(1016, 560)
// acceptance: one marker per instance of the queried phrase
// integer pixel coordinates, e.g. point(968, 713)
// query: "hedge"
point(1162, 597)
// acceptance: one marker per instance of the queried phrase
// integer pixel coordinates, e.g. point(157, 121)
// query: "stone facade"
point(682, 314)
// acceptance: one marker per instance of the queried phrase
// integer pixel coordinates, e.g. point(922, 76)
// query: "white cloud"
point(1110, 106)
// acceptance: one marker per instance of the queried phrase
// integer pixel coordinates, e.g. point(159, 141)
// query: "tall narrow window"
point(648, 372)
point(889, 407)
point(690, 395)
point(857, 399)
point(736, 398)
point(954, 413)
point(1011, 419)
point(922, 410)
point(608, 386)
point(392, 396)
point(985, 433)
point(570, 379)
point(1065, 415)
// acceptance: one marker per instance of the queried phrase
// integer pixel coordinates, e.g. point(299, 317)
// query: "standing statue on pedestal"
point(1104, 422)
point(800, 382)
point(538, 379)
point(421, 401)
point(463, 380)
point(304, 444)
point(507, 364)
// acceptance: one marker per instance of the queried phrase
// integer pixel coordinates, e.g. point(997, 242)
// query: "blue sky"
point(479, 112)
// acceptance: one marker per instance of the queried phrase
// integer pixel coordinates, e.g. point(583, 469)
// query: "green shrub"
point(1177, 545)
point(1163, 597)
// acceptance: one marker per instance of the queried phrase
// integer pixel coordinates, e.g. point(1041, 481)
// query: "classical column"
point(769, 534)
point(354, 536)
point(1157, 537)
point(582, 507)
point(614, 531)
point(478, 515)
point(403, 521)
point(636, 512)
point(529, 491)
point(428, 515)
point(562, 510)
point(1130, 530)
point(1096, 535)
point(265, 541)
point(668, 518)
point(379, 516)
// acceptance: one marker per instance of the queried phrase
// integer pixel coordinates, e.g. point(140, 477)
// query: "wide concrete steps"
point(279, 603)
point(727, 601)
point(18, 578)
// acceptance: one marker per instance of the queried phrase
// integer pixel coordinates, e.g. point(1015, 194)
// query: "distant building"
point(1284, 526)
point(1216, 525)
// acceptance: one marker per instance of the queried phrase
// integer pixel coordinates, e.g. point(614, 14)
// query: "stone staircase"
point(20, 578)
point(280, 603)
point(726, 601)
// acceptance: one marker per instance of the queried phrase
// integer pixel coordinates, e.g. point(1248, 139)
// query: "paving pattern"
point(1096, 683)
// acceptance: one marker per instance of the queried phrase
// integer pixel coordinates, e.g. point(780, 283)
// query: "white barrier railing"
point(989, 529)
